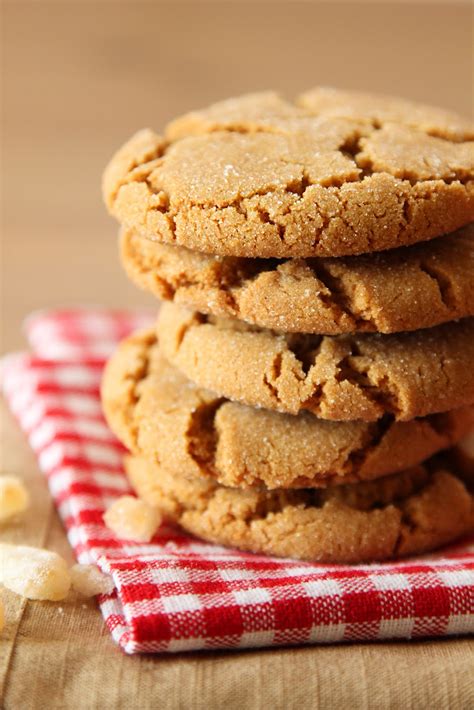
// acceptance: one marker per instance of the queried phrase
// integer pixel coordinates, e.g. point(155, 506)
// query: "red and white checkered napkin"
point(179, 594)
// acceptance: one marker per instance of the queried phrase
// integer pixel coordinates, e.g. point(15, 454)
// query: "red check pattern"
point(180, 594)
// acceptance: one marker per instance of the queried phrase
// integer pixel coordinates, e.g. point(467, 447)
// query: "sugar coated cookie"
point(407, 513)
point(388, 292)
point(158, 414)
point(257, 176)
point(336, 377)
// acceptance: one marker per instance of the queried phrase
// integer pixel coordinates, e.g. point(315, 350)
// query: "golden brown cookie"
point(402, 289)
point(341, 377)
point(403, 514)
point(257, 176)
point(160, 415)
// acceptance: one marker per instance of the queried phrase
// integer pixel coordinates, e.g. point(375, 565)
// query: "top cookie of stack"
point(335, 175)
point(338, 174)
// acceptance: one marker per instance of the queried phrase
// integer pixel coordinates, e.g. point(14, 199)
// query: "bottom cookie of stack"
point(402, 514)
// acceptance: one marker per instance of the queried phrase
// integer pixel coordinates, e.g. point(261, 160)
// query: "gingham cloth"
point(179, 594)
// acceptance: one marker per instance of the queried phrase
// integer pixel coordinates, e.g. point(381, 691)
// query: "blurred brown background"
point(79, 77)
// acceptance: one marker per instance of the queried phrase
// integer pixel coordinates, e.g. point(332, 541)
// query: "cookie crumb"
point(88, 580)
point(14, 497)
point(132, 519)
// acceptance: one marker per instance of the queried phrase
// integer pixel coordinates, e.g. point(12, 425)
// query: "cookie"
point(403, 514)
point(160, 415)
point(257, 176)
point(402, 289)
point(341, 377)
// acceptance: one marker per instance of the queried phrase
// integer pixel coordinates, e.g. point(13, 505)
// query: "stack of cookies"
point(312, 367)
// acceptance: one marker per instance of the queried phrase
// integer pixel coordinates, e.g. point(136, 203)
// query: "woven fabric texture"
point(177, 593)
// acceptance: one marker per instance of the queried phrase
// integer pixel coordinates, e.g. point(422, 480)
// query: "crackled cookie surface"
point(377, 109)
point(398, 290)
point(158, 414)
point(342, 377)
point(258, 176)
point(406, 513)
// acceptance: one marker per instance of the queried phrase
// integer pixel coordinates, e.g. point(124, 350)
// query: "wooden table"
point(80, 77)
